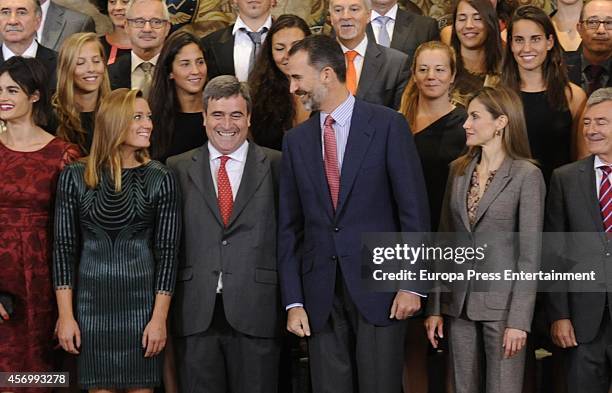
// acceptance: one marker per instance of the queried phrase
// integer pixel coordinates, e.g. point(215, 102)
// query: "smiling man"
point(19, 21)
point(374, 73)
point(226, 310)
point(147, 23)
point(233, 49)
point(579, 201)
point(591, 65)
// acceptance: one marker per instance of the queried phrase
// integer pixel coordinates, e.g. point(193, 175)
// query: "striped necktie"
point(605, 197)
point(332, 170)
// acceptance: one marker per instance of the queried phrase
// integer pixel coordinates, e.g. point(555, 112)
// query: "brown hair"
point(70, 127)
point(500, 101)
point(113, 122)
point(410, 97)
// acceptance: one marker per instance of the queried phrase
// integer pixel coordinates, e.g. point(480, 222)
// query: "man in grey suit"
point(226, 311)
point(59, 22)
point(400, 29)
point(577, 203)
point(375, 74)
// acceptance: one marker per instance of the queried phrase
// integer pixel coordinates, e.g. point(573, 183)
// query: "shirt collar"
point(30, 52)
point(360, 48)
point(598, 162)
point(342, 113)
point(136, 61)
point(239, 154)
point(392, 13)
point(241, 25)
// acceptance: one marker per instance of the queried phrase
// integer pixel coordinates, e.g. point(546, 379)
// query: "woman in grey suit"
point(493, 189)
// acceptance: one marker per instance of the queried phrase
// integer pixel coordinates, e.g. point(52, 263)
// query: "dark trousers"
point(590, 364)
point(222, 360)
point(350, 355)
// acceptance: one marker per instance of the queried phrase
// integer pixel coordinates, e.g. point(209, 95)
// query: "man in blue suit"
point(351, 168)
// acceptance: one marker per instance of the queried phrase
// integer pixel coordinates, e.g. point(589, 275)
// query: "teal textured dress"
point(116, 250)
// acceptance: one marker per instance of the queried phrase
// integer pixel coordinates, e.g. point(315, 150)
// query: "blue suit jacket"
point(381, 190)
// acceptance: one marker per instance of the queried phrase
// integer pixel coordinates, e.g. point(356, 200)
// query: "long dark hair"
point(162, 97)
point(553, 70)
point(273, 109)
point(493, 42)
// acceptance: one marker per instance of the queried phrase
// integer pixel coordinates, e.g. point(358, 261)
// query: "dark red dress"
point(27, 189)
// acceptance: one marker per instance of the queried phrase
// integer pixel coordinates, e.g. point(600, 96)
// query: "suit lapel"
point(359, 138)
point(372, 64)
point(400, 30)
point(499, 182)
point(462, 185)
point(589, 191)
point(255, 171)
point(225, 51)
point(312, 152)
point(199, 173)
point(54, 24)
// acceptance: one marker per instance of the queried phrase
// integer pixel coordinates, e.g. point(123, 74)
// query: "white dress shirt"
point(598, 173)
point(243, 47)
point(234, 168)
point(137, 74)
point(376, 25)
point(30, 52)
point(44, 8)
point(361, 52)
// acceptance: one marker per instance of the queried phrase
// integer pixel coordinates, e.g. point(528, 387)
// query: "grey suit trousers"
point(474, 344)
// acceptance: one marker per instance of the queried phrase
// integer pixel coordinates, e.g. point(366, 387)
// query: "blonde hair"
point(410, 96)
point(113, 122)
point(63, 102)
point(500, 101)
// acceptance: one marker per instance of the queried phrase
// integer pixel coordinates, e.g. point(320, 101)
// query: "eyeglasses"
point(155, 23)
point(593, 23)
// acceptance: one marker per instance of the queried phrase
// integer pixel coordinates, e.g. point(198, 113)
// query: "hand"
point(69, 334)
point(154, 337)
point(405, 305)
point(434, 326)
point(514, 341)
point(562, 333)
point(3, 314)
point(297, 322)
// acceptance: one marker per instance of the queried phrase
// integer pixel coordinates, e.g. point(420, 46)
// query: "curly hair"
point(273, 108)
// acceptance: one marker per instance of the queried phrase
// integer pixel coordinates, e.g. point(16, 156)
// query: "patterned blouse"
point(473, 196)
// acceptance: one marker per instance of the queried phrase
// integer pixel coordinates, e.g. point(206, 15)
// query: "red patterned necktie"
point(605, 197)
point(332, 171)
point(224, 192)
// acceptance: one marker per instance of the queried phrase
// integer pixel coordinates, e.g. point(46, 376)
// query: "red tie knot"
point(350, 55)
point(605, 169)
point(224, 160)
point(329, 121)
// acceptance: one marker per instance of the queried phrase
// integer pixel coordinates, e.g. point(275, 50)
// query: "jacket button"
point(334, 258)
point(224, 242)
point(607, 254)
point(336, 229)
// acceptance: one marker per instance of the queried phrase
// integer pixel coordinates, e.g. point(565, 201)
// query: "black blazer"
point(219, 52)
point(48, 58)
point(120, 73)
point(410, 31)
point(384, 75)
point(573, 62)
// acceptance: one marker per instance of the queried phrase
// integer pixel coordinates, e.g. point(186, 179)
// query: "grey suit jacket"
point(245, 251)
point(62, 22)
point(573, 206)
point(410, 31)
point(384, 75)
point(513, 202)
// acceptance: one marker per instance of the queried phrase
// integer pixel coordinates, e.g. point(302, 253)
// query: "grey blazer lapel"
point(462, 185)
point(255, 171)
point(400, 31)
point(589, 191)
point(499, 182)
point(372, 64)
point(54, 24)
point(199, 173)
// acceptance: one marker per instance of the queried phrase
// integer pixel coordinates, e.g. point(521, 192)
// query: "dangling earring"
point(498, 132)
point(2, 127)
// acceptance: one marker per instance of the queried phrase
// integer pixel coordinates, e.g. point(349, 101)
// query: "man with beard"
point(351, 168)
point(374, 73)
point(226, 317)
point(591, 65)
point(147, 23)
